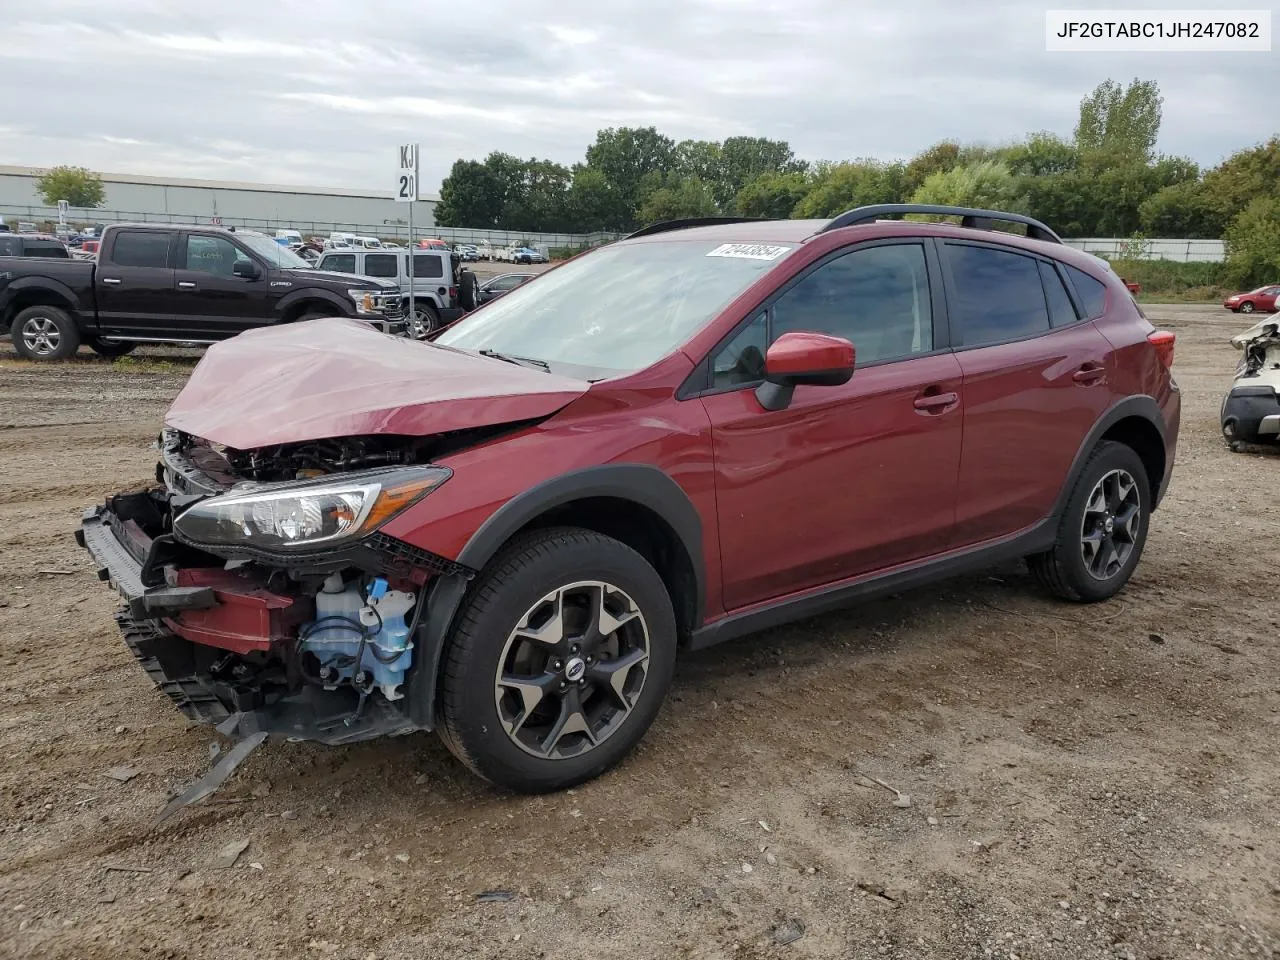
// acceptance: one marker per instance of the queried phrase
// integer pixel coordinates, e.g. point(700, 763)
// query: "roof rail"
point(970, 217)
point(688, 222)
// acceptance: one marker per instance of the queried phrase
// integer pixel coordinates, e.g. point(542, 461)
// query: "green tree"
point(1253, 244)
point(590, 201)
point(772, 195)
point(674, 197)
point(939, 158)
point(1118, 123)
point(837, 187)
point(624, 155)
point(742, 159)
point(539, 201)
point(1179, 210)
point(1042, 154)
point(1240, 179)
point(698, 158)
point(76, 185)
point(987, 184)
point(470, 196)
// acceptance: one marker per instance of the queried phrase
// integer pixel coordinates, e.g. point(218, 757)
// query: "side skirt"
point(820, 600)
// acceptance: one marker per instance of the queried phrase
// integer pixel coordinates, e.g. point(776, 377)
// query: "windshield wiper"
point(512, 358)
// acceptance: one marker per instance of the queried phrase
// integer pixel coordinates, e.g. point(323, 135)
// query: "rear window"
point(339, 263)
point(380, 265)
point(428, 266)
point(1093, 293)
point(998, 295)
point(141, 248)
point(8, 246)
point(46, 248)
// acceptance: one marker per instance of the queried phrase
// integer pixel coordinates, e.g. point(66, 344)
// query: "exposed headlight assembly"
point(298, 515)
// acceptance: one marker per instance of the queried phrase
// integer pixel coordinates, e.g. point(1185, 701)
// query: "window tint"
point(1061, 311)
point(45, 248)
point(380, 265)
point(1093, 294)
point(339, 262)
point(878, 298)
point(998, 295)
point(427, 266)
point(215, 255)
point(8, 246)
point(141, 248)
point(741, 360)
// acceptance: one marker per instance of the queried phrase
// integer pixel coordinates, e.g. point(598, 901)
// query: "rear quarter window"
point(380, 265)
point(428, 265)
point(1092, 293)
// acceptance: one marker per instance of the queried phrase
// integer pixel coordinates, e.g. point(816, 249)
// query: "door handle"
point(1089, 373)
point(936, 402)
point(111, 280)
point(187, 284)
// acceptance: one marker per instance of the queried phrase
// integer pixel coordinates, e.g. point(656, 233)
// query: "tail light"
point(1163, 341)
point(453, 291)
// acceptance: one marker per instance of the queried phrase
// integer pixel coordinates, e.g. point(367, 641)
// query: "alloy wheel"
point(1111, 524)
point(1247, 308)
point(41, 336)
point(572, 670)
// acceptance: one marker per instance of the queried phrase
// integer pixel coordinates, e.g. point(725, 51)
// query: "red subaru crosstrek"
point(506, 534)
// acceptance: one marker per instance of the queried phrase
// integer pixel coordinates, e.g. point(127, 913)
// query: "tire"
point(1065, 571)
point(1246, 307)
point(468, 290)
point(111, 348)
point(614, 701)
point(427, 320)
point(44, 333)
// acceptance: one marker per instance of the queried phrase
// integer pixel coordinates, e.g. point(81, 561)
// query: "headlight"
point(307, 513)
point(365, 300)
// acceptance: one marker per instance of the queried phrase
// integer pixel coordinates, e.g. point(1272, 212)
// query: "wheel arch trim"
point(297, 299)
point(1141, 406)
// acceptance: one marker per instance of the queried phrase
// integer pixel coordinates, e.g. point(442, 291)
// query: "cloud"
point(320, 91)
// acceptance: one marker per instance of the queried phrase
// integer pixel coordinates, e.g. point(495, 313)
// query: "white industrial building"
point(263, 205)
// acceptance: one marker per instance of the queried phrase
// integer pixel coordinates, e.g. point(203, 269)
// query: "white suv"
point(442, 290)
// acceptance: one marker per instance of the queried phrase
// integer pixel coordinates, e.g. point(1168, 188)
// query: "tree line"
point(1106, 180)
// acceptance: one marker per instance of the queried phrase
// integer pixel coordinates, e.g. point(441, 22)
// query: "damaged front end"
point(260, 594)
point(1250, 411)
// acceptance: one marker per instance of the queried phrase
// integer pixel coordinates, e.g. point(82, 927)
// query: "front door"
point(845, 480)
point(134, 284)
point(215, 303)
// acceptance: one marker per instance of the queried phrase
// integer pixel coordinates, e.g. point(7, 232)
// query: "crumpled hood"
point(1268, 328)
point(336, 377)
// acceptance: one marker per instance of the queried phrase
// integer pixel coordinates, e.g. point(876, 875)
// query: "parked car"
point(443, 291)
point(175, 284)
point(33, 245)
point(527, 255)
point(506, 533)
point(1250, 411)
point(466, 252)
point(495, 287)
point(1262, 300)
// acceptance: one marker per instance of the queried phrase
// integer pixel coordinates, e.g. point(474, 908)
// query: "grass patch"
point(1168, 281)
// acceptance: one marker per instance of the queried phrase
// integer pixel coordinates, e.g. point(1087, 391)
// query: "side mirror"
point(246, 269)
point(794, 359)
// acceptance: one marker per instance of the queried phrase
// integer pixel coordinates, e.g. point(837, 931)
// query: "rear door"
point(1036, 374)
point(214, 303)
point(134, 285)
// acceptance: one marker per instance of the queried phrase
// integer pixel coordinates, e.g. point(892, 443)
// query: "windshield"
point(619, 308)
point(274, 253)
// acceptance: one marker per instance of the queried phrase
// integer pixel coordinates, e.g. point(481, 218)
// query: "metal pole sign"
point(407, 192)
point(63, 207)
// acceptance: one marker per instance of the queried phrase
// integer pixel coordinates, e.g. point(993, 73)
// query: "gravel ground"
point(1083, 782)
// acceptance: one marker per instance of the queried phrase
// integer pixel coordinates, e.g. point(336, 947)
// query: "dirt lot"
point(1084, 782)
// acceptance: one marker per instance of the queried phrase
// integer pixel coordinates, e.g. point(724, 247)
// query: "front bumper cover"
point(1251, 414)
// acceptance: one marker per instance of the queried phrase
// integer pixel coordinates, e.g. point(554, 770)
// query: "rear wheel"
point(111, 348)
point(559, 663)
point(1102, 530)
point(425, 320)
point(44, 333)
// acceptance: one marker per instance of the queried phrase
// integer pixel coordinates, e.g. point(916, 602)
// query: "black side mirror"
point(246, 269)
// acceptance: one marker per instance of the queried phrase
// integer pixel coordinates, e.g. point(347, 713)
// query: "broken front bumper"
point(194, 631)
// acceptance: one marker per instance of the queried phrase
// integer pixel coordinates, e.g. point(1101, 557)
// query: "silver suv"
point(442, 290)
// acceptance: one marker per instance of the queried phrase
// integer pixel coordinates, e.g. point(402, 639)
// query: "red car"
point(703, 430)
point(1263, 300)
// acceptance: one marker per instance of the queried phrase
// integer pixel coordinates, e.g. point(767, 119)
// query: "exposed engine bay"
point(1251, 409)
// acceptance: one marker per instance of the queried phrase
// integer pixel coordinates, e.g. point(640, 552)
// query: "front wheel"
point(44, 333)
point(1246, 307)
point(559, 662)
point(1102, 530)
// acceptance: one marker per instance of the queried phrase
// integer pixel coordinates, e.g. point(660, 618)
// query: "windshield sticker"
point(749, 251)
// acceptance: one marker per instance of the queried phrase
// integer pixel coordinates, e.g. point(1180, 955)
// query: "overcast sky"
point(319, 92)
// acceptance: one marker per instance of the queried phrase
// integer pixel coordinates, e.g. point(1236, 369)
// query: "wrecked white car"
point(1251, 409)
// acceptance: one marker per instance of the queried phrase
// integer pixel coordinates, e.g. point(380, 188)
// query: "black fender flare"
point(1139, 405)
point(640, 483)
point(10, 291)
point(294, 297)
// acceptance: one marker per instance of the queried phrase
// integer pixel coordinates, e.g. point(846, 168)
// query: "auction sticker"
point(749, 251)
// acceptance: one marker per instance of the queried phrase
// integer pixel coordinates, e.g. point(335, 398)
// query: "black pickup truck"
point(166, 283)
